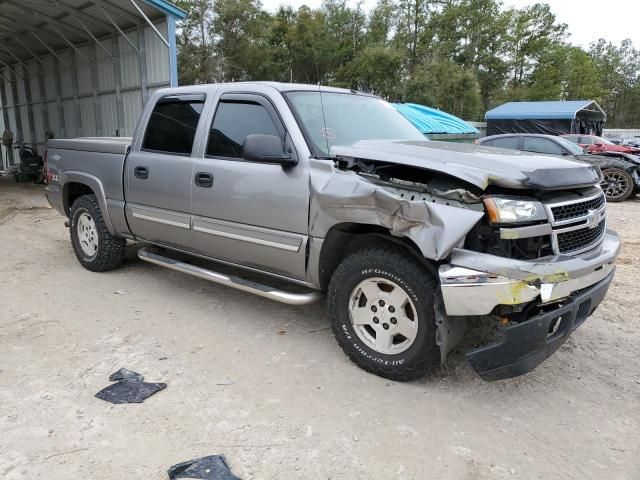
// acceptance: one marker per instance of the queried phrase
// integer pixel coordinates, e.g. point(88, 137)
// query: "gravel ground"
point(266, 384)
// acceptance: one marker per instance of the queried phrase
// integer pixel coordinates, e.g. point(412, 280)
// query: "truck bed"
point(117, 145)
point(97, 163)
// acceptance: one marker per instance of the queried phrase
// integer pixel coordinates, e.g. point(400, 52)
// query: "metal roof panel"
point(553, 110)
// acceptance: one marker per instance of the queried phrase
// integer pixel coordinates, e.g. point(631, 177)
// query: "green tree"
point(473, 33)
point(377, 69)
point(382, 20)
point(196, 51)
point(619, 69)
point(241, 29)
point(447, 86)
point(532, 30)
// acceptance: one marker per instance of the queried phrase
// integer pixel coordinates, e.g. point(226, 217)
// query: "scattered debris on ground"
point(131, 388)
point(213, 467)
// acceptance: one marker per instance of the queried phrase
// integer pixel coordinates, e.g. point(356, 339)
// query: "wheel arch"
point(345, 238)
point(77, 184)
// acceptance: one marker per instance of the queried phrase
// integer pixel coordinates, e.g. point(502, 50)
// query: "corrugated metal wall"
point(71, 96)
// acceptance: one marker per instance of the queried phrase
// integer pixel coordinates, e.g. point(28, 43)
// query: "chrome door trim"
point(249, 233)
point(244, 238)
point(158, 216)
point(159, 220)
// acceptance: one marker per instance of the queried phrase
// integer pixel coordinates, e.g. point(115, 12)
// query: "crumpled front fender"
point(339, 197)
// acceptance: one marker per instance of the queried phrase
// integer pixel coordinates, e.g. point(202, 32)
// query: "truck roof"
point(279, 86)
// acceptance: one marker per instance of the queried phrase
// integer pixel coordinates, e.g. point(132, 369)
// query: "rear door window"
point(505, 142)
point(172, 125)
point(233, 122)
point(542, 145)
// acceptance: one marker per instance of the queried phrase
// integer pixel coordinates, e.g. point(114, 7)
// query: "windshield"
point(604, 141)
point(349, 118)
point(572, 147)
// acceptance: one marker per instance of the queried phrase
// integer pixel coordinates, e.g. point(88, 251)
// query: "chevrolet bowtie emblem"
point(593, 219)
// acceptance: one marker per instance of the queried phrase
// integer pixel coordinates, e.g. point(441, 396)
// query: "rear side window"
point(506, 142)
point(231, 125)
point(542, 145)
point(172, 126)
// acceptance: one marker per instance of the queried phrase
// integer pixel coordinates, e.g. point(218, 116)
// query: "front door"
point(250, 213)
point(159, 172)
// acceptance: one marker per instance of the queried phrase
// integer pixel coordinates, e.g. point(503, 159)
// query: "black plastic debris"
point(213, 467)
point(131, 388)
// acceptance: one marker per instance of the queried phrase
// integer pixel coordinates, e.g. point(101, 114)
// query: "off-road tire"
point(417, 281)
point(620, 194)
point(111, 250)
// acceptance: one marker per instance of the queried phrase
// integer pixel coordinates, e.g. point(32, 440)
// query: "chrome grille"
point(577, 240)
point(577, 210)
point(577, 225)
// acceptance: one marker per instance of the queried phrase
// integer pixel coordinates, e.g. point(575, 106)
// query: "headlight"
point(513, 210)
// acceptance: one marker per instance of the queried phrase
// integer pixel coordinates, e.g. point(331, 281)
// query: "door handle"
point(204, 179)
point(141, 172)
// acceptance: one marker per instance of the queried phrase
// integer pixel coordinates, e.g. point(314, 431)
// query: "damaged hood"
point(478, 165)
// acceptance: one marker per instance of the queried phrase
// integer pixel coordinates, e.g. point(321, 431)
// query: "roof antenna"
point(325, 133)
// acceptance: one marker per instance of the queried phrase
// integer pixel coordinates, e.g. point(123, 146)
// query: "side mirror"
point(266, 149)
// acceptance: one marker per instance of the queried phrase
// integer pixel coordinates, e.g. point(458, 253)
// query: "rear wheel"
point(381, 308)
point(94, 246)
point(618, 185)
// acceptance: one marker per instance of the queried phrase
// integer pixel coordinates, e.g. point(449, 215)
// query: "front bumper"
point(567, 289)
point(473, 283)
point(529, 343)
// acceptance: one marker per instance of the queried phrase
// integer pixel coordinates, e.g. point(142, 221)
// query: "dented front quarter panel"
point(339, 197)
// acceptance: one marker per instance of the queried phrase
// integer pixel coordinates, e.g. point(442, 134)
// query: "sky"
point(588, 20)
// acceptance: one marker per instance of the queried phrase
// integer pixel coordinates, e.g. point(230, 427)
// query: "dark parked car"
point(620, 171)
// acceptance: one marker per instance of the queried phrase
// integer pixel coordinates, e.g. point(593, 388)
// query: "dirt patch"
point(282, 406)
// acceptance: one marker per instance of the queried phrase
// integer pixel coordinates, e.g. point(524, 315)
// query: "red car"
point(594, 144)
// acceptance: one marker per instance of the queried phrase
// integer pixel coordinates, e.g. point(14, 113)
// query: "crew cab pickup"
point(317, 191)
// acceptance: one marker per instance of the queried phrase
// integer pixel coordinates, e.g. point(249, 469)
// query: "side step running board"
point(148, 254)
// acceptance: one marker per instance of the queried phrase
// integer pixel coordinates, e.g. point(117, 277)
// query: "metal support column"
point(142, 56)
point(6, 159)
point(19, 135)
point(97, 110)
point(26, 84)
point(58, 81)
point(118, 82)
point(75, 90)
point(44, 107)
point(173, 50)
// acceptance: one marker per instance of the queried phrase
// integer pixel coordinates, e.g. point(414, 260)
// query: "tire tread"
point(381, 256)
point(111, 250)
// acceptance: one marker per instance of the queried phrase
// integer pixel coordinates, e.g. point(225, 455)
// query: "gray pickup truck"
point(315, 191)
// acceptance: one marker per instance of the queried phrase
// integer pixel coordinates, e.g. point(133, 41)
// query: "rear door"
point(159, 172)
point(250, 213)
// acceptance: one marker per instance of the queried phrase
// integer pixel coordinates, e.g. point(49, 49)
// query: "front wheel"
point(381, 309)
point(618, 185)
point(96, 249)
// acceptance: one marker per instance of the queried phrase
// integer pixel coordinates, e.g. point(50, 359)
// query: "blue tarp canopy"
point(429, 120)
point(562, 110)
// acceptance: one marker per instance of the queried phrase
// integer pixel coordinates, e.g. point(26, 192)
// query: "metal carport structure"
point(81, 67)
point(551, 118)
